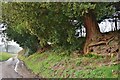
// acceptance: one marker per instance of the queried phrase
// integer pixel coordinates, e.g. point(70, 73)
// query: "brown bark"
point(92, 30)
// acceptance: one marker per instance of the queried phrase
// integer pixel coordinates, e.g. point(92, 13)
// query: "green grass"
point(53, 65)
point(4, 56)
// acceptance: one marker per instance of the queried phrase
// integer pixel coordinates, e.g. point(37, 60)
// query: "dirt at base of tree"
point(109, 45)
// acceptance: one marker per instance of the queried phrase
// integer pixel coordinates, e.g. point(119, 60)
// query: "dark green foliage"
point(33, 24)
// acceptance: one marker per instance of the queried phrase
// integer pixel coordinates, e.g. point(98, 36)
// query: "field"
point(4, 56)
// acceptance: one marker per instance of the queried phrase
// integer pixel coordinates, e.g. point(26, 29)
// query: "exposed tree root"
point(106, 45)
point(101, 42)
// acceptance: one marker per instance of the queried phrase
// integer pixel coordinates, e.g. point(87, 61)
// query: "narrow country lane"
point(7, 71)
point(14, 68)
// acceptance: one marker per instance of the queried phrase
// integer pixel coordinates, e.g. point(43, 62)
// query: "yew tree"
point(54, 21)
point(94, 37)
point(89, 14)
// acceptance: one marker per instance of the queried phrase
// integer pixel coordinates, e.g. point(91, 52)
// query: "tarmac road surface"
point(14, 68)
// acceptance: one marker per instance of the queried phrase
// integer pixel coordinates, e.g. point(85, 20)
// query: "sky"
point(106, 26)
point(13, 47)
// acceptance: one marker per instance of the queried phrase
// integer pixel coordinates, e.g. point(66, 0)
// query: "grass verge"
point(4, 56)
point(53, 65)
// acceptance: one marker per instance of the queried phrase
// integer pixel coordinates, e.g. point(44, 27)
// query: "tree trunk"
point(116, 23)
point(92, 30)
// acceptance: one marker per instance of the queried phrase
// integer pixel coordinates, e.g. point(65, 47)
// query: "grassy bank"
point(4, 56)
point(53, 65)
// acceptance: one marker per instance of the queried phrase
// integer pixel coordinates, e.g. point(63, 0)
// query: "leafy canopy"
point(31, 22)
